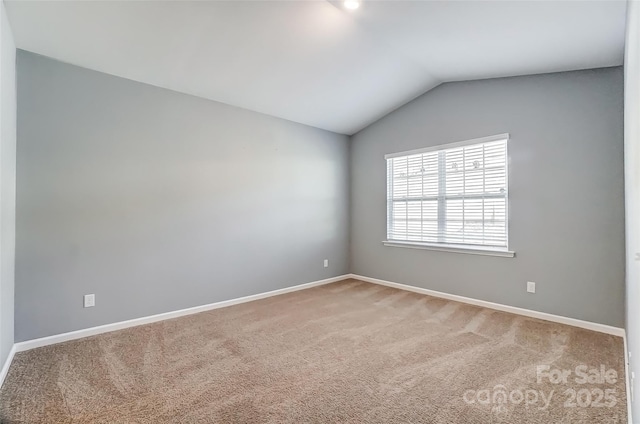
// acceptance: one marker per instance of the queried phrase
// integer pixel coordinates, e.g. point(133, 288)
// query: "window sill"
point(452, 248)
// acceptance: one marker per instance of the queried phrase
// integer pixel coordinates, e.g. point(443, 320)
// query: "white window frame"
point(456, 248)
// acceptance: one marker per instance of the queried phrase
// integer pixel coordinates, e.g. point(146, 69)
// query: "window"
point(450, 197)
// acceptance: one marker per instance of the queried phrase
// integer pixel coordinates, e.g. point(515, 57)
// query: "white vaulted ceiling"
point(314, 62)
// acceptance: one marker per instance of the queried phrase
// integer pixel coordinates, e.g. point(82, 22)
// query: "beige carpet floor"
point(347, 352)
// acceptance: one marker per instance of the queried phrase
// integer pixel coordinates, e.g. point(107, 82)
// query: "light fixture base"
point(352, 4)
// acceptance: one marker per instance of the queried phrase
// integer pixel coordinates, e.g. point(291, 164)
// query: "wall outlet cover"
point(89, 300)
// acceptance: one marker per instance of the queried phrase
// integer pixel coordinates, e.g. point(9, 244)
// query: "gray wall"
point(157, 201)
point(566, 192)
point(7, 183)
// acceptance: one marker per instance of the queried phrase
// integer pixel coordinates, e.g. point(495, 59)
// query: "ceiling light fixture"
point(352, 4)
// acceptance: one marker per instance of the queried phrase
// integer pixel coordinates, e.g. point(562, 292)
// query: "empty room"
point(319, 211)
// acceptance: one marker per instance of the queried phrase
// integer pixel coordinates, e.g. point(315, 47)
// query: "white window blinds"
point(450, 195)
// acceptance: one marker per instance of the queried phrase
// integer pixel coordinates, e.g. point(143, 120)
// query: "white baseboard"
point(7, 364)
point(73, 335)
point(627, 380)
point(616, 331)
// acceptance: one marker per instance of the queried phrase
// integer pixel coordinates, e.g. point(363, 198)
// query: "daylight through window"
point(455, 194)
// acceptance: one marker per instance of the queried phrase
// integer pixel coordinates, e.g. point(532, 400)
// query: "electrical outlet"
point(531, 287)
point(89, 300)
point(326, 263)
